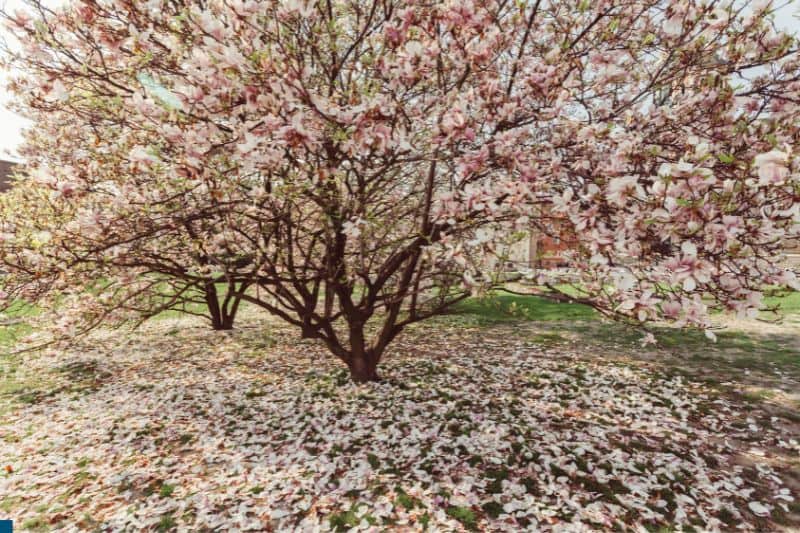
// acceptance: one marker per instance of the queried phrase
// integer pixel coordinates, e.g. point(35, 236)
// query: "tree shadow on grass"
point(74, 377)
point(764, 356)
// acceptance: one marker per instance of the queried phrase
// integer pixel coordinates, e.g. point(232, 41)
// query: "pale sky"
point(12, 124)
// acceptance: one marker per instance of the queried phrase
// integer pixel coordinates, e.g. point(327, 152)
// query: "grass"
point(497, 307)
point(345, 521)
point(559, 323)
point(34, 524)
point(10, 334)
point(500, 307)
point(73, 378)
point(167, 523)
point(465, 515)
point(11, 330)
point(555, 324)
point(166, 490)
point(788, 303)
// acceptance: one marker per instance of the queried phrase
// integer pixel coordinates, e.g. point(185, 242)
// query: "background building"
point(6, 169)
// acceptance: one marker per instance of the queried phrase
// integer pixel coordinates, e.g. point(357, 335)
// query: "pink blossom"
point(211, 24)
point(296, 134)
point(394, 35)
point(58, 92)
point(620, 189)
point(21, 18)
point(673, 27)
point(140, 154)
point(671, 309)
point(772, 167)
point(687, 269)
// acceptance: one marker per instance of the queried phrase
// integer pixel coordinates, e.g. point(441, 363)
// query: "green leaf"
point(772, 140)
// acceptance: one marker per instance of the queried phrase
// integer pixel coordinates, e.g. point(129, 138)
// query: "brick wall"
point(6, 169)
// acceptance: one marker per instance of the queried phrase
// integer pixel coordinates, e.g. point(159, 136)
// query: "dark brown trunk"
point(362, 361)
point(213, 306)
point(223, 324)
point(364, 369)
point(222, 315)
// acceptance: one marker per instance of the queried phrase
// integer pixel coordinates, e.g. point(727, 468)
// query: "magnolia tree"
point(358, 161)
point(111, 249)
point(79, 279)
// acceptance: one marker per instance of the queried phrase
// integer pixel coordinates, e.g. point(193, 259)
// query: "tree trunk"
point(364, 369)
point(223, 323)
point(362, 361)
point(222, 315)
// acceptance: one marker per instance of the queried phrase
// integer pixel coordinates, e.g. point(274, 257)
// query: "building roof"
point(6, 169)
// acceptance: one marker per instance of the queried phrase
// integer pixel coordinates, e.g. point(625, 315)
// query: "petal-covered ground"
point(177, 427)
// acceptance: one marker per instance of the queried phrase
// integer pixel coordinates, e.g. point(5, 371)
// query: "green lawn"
point(500, 307)
point(503, 307)
point(11, 330)
point(764, 352)
point(789, 303)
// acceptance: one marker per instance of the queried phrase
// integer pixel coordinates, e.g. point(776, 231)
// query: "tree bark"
point(364, 369)
point(222, 314)
point(223, 324)
point(362, 360)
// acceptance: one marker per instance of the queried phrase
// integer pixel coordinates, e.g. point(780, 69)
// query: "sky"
point(11, 124)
